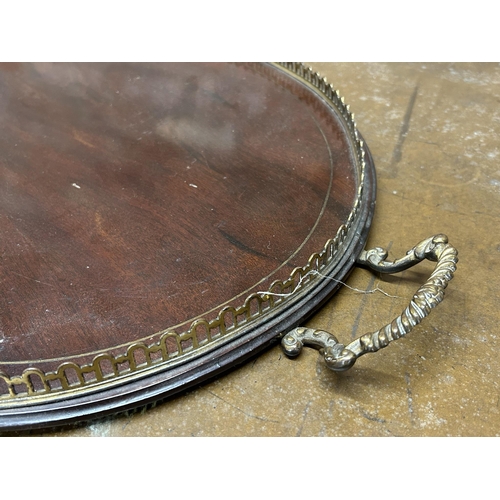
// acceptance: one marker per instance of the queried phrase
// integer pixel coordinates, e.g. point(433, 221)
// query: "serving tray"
point(162, 223)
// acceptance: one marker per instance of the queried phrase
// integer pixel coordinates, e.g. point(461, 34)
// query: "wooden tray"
point(162, 223)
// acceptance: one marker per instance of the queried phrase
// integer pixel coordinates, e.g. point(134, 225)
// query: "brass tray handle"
point(339, 357)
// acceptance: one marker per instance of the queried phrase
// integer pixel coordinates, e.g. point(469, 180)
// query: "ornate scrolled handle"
point(339, 357)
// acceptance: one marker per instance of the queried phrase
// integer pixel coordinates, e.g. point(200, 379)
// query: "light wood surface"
point(433, 131)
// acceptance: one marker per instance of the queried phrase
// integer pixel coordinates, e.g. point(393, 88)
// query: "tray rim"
point(357, 217)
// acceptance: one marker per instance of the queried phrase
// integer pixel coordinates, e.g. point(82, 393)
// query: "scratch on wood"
point(243, 411)
point(403, 132)
point(32, 279)
point(371, 417)
point(410, 399)
point(306, 411)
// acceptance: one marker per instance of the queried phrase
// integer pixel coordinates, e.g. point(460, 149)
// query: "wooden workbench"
point(433, 130)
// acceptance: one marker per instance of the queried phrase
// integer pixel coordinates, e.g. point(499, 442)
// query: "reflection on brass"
point(339, 357)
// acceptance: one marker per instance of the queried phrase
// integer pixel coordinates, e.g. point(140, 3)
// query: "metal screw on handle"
point(339, 357)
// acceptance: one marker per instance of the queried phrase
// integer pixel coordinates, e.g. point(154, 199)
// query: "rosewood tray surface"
point(161, 223)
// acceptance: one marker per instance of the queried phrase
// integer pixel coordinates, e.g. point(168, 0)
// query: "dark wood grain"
point(136, 197)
